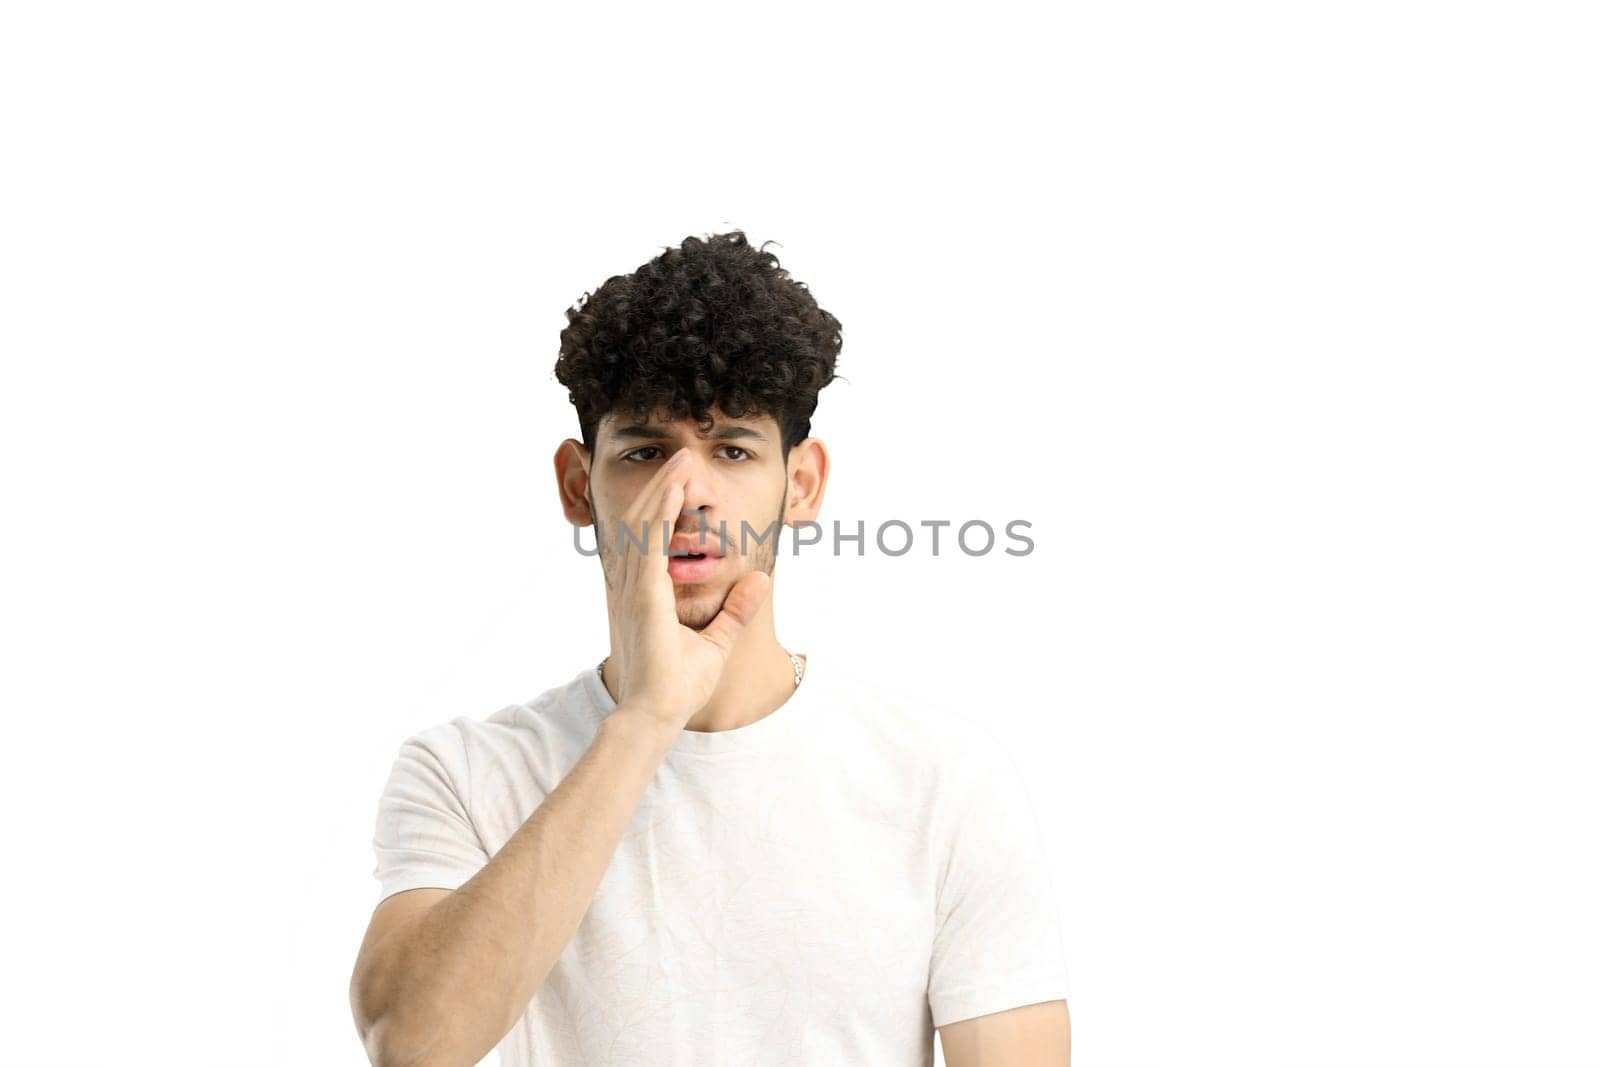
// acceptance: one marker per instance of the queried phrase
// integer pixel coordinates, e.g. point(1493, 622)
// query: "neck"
point(757, 679)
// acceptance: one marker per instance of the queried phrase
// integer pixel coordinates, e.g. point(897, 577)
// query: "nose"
point(695, 469)
point(699, 494)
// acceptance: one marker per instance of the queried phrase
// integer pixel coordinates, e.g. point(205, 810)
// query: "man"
point(706, 849)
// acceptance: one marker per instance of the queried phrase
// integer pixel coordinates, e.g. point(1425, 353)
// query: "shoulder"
point(562, 710)
point(551, 722)
point(918, 727)
point(530, 741)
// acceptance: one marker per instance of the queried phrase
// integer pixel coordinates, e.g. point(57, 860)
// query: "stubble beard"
point(700, 609)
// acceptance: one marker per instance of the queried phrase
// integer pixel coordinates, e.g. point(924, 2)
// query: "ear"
point(807, 481)
point(573, 463)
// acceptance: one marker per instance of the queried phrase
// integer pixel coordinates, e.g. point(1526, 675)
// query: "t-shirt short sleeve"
point(424, 836)
point(997, 936)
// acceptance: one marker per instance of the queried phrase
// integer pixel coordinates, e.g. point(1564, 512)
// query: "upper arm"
point(997, 935)
point(425, 846)
point(392, 913)
point(424, 836)
point(1036, 1035)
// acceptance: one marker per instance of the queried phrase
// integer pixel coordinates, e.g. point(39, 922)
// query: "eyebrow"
point(648, 432)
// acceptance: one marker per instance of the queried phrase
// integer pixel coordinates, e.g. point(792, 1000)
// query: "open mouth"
point(693, 568)
point(688, 546)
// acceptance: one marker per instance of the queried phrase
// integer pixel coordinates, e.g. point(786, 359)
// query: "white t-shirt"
point(825, 885)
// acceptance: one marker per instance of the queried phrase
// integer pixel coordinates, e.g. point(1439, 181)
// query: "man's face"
point(735, 474)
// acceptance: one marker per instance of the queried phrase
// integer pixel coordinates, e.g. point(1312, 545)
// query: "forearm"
point(462, 975)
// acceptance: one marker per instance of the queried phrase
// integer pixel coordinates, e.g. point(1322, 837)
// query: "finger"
point(741, 605)
point(644, 501)
point(635, 519)
point(658, 524)
point(666, 520)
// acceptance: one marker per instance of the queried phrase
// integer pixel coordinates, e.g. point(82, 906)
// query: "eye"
point(744, 455)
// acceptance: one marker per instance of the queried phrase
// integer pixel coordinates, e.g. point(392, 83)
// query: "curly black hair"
point(711, 323)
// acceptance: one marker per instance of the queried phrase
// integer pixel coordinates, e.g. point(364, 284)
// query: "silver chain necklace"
point(799, 670)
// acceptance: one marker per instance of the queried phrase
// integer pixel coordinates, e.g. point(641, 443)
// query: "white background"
point(1277, 322)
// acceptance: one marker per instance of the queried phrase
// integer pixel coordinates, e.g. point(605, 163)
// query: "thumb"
point(744, 600)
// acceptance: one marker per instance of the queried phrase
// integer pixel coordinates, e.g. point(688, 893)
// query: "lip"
point(709, 546)
point(690, 571)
